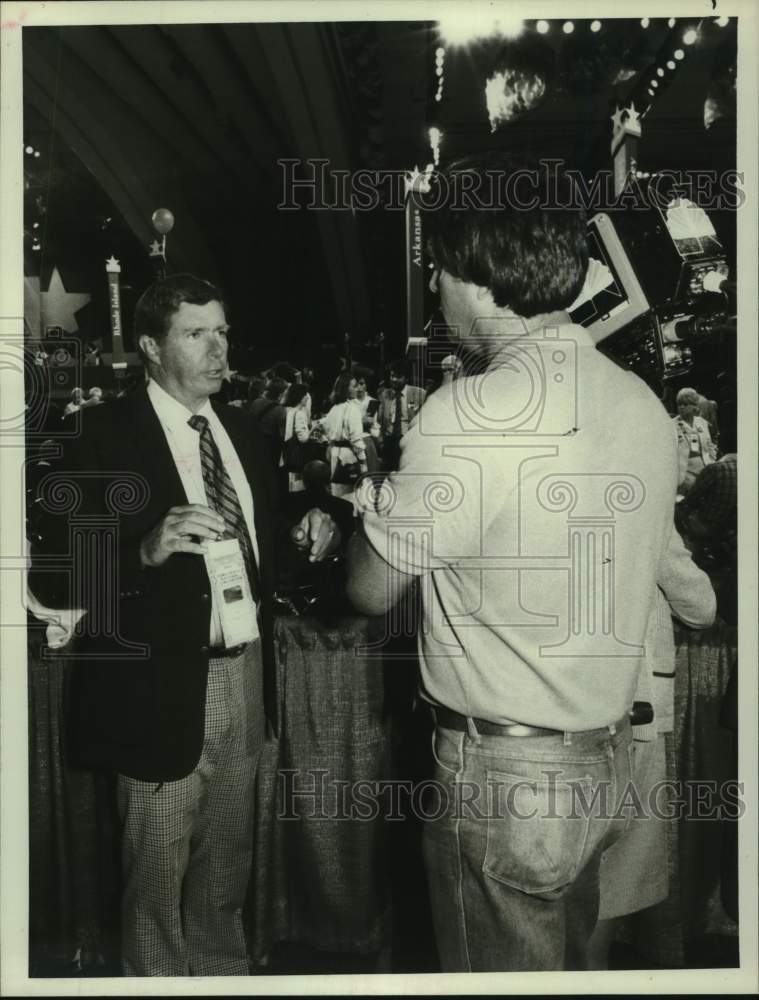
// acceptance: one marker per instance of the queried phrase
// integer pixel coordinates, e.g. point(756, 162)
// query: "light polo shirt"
point(533, 500)
point(184, 444)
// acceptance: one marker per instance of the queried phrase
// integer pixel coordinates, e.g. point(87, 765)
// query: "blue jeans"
point(513, 843)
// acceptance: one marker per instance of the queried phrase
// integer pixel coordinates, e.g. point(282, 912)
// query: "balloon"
point(163, 221)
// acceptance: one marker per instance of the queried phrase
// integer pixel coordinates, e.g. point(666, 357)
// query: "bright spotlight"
point(461, 29)
point(645, 21)
point(679, 54)
point(654, 83)
point(458, 30)
point(722, 21)
point(671, 64)
point(660, 71)
point(672, 22)
point(568, 27)
point(542, 27)
point(29, 150)
point(690, 36)
point(595, 25)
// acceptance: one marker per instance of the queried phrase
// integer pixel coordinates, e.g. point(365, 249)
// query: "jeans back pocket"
point(537, 831)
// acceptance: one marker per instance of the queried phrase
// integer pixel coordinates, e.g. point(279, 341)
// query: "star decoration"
point(416, 180)
point(632, 124)
point(155, 249)
point(112, 265)
point(617, 118)
point(59, 306)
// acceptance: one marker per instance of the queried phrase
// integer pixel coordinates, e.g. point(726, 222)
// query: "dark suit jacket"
point(138, 680)
point(414, 399)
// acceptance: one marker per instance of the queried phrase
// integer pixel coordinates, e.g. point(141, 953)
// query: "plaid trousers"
point(187, 845)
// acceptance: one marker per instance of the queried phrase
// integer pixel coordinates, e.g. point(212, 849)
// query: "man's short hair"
point(512, 228)
point(400, 367)
point(159, 302)
point(275, 388)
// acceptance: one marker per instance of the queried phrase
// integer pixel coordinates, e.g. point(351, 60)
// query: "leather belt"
point(220, 653)
point(448, 719)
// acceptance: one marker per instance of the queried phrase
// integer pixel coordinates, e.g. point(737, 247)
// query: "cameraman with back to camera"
point(530, 642)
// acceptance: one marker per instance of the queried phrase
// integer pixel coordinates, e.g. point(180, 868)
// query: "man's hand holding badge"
point(188, 528)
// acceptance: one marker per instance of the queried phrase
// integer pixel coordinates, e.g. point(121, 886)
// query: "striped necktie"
point(398, 415)
point(222, 496)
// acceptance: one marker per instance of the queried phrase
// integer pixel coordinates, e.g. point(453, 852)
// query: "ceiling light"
point(440, 52)
point(462, 29)
point(671, 64)
point(37, 152)
point(690, 36)
point(672, 22)
point(595, 25)
point(568, 27)
point(722, 21)
point(650, 92)
point(542, 27)
point(29, 150)
point(660, 71)
point(654, 83)
point(458, 30)
point(679, 54)
point(645, 21)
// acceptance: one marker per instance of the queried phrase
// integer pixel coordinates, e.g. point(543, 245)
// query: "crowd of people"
point(355, 428)
point(513, 688)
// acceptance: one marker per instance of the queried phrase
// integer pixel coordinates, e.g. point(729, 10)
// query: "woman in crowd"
point(297, 433)
point(344, 431)
point(368, 407)
point(695, 448)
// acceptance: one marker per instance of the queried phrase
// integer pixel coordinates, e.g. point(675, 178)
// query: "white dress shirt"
point(184, 444)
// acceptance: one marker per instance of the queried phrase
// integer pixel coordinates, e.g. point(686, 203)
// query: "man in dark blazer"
point(158, 693)
point(399, 406)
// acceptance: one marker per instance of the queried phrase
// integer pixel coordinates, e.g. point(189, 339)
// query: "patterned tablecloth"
point(321, 875)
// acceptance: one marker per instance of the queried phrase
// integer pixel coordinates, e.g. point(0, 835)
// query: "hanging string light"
point(435, 137)
point(439, 71)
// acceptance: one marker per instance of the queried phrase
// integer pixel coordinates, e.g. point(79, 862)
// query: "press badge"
point(231, 588)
